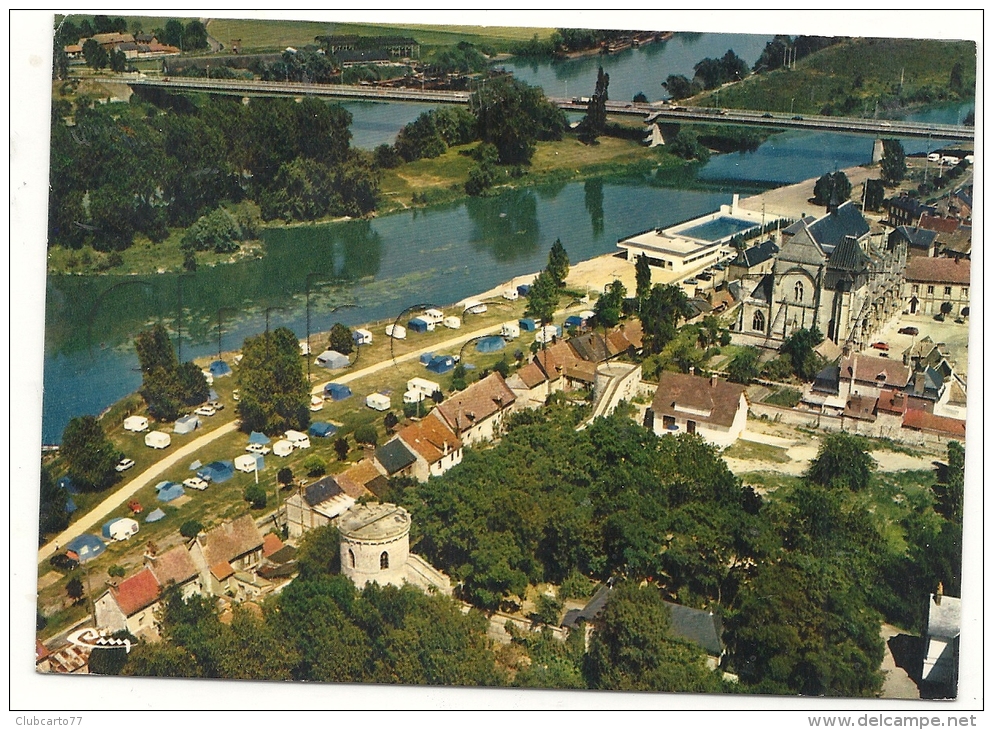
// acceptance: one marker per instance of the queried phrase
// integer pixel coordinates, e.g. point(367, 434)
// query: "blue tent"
point(86, 547)
point(217, 471)
point(155, 515)
point(491, 344)
point(258, 438)
point(173, 491)
point(67, 484)
point(418, 325)
point(71, 506)
point(212, 395)
point(527, 325)
point(337, 391)
point(219, 368)
point(523, 289)
point(322, 430)
point(441, 364)
point(574, 321)
point(426, 358)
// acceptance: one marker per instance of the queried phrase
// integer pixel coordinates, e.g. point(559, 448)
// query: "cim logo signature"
point(90, 638)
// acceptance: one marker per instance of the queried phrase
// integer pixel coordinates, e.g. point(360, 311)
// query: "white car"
point(205, 411)
point(258, 449)
point(195, 483)
point(124, 464)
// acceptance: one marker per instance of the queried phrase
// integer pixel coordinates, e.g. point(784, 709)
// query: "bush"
point(285, 476)
point(548, 609)
point(190, 529)
point(366, 434)
point(576, 585)
point(116, 571)
point(315, 466)
point(255, 495)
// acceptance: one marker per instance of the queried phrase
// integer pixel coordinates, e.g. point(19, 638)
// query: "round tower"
point(375, 544)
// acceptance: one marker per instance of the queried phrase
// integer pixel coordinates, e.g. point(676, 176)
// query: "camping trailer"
point(282, 448)
point(378, 401)
point(249, 463)
point(298, 439)
point(186, 424)
point(453, 323)
point(136, 424)
point(421, 385)
point(420, 325)
point(474, 307)
point(396, 331)
point(120, 529)
point(413, 396)
point(510, 330)
point(510, 295)
point(362, 337)
point(433, 316)
point(158, 439)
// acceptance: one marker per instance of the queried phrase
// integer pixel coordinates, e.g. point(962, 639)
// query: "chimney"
point(938, 594)
point(713, 380)
point(898, 399)
point(692, 370)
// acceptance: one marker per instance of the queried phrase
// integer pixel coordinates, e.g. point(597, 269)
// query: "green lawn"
point(752, 451)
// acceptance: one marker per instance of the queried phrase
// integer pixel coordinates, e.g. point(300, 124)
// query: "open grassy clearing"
point(752, 451)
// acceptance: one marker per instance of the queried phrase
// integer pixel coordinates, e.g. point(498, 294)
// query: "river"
point(439, 256)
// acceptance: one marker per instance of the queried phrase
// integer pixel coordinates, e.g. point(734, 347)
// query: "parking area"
point(954, 335)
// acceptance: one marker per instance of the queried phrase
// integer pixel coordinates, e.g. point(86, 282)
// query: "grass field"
point(268, 35)
point(752, 451)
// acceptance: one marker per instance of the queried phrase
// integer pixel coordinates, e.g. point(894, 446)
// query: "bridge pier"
point(877, 150)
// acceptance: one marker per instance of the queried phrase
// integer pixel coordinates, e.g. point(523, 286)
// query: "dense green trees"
point(609, 306)
point(53, 514)
point(665, 305)
point(832, 187)
point(340, 339)
point(798, 349)
point(744, 367)
point(595, 121)
point(713, 72)
point(642, 278)
point(558, 263)
point(842, 461)
point(513, 116)
point(893, 164)
point(274, 392)
point(543, 298)
point(89, 455)
point(168, 386)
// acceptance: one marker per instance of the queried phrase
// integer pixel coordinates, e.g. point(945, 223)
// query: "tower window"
point(384, 561)
point(798, 291)
point(351, 557)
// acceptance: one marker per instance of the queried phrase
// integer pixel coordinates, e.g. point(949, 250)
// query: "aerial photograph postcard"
point(508, 355)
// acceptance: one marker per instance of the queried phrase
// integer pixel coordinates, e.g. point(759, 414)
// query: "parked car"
point(797, 118)
point(205, 411)
point(912, 331)
point(258, 449)
point(124, 464)
point(216, 405)
point(767, 115)
point(195, 483)
point(61, 561)
point(135, 506)
point(881, 346)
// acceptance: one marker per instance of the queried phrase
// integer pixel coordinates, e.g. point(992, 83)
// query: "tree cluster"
point(893, 164)
point(513, 116)
point(90, 458)
point(832, 187)
point(275, 396)
point(660, 312)
point(434, 131)
point(782, 51)
point(709, 73)
point(543, 297)
point(595, 122)
point(167, 385)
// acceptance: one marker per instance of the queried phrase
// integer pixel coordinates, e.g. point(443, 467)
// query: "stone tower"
point(375, 544)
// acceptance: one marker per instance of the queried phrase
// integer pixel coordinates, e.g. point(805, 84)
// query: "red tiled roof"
point(175, 565)
point(271, 544)
point(531, 375)
point(222, 570)
point(583, 370)
point(924, 421)
point(429, 438)
point(938, 271)
point(554, 359)
point(355, 480)
point(707, 400)
point(137, 592)
point(475, 404)
point(878, 371)
point(861, 407)
point(936, 223)
point(892, 401)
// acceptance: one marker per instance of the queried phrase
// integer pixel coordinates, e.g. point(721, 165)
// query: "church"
point(832, 273)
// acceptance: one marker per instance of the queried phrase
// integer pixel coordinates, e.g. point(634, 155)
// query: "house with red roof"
point(529, 386)
point(715, 409)
point(931, 282)
point(435, 445)
point(130, 605)
point(476, 413)
point(232, 547)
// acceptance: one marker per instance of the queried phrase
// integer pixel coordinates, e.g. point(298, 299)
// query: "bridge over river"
point(652, 112)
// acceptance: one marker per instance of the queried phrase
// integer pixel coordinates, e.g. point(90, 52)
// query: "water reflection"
point(593, 197)
point(508, 230)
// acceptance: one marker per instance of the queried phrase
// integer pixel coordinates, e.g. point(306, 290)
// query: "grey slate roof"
point(919, 238)
point(321, 491)
point(590, 610)
point(802, 248)
point(696, 626)
point(831, 230)
point(591, 347)
point(763, 292)
point(394, 456)
point(757, 254)
point(849, 256)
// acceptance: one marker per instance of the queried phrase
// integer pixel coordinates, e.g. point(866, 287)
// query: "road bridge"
point(651, 112)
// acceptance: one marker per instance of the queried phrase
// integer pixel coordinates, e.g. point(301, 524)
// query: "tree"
point(390, 422)
point(74, 589)
point(256, 496)
point(842, 461)
point(274, 392)
point(665, 305)
point(832, 188)
point(543, 298)
point(89, 454)
point(875, 193)
point(680, 87)
point(54, 513)
point(94, 54)
point(642, 278)
point(608, 307)
point(893, 164)
point(315, 466)
point(173, 33)
point(631, 649)
point(558, 263)
point(341, 448)
point(366, 434)
point(341, 339)
point(595, 121)
point(513, 116)
point(951, 492)
point(194, 36)
point(640, 98)
point(744, 367)
point(799, 348)
point(190, 529)
point(285, 476)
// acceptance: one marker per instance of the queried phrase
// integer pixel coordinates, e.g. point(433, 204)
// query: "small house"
point(419, 325)
point(136, 424)
point(510, 330)
point(396, 331)
point(378, 401)
point(476, 413)
point(131, 605)
point(453, 323)
point(316, 505)
point(362, 337)
point(434, 445)
point(231, 547)
point(186, 424)
point(715, 409)
point(395, 458)
point(332, 360)
point(337, 391)
point(282, 448)
point(158, 439)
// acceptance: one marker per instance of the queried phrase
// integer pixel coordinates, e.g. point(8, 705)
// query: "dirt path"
point(115, 500)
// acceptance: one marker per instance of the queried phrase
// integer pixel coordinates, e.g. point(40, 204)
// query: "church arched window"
point(351, 557)
point(758, 321)
point(384, 561)
point(798, 291)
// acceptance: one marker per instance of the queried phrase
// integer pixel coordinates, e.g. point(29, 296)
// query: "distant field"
point(277, 34)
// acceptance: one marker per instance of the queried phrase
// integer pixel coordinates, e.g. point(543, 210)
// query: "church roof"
point(802, 248)
point(763, 292)
point(830, 230)
point(849, 256)
point(755, 255)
